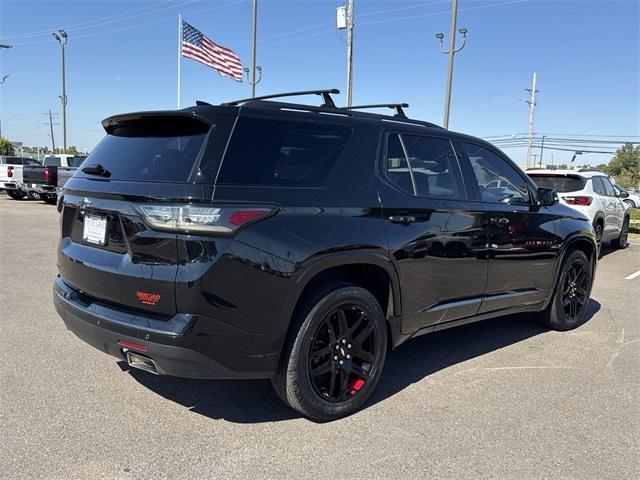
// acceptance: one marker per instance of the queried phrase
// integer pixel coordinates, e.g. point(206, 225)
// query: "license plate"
point(33, 185)
point(95, 229)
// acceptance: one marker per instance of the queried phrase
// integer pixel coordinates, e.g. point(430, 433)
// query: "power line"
point(89, 23)
point(140, 25)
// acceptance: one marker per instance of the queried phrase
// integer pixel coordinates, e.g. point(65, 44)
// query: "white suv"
point(591, 193)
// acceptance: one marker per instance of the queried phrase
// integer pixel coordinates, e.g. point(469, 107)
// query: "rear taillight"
point(10, 171)
point(583, 201)
point(200, 219)
point(48, 174)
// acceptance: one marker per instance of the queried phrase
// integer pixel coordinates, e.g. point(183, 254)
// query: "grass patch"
point(635, 214)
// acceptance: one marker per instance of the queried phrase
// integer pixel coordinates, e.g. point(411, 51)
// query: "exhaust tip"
point(141, 362)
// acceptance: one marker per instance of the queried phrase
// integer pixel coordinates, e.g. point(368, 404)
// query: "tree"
point(625, 166)
point(72, 150)
point(6, 147)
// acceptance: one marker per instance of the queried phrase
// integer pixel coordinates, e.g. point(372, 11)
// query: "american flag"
point(199, 47)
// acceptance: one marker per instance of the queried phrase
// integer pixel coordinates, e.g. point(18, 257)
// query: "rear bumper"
point(39, 187)
point(167, 341)
point(9, 186)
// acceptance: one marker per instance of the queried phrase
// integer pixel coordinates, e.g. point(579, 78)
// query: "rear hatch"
point(119, 242)
point(567, 185)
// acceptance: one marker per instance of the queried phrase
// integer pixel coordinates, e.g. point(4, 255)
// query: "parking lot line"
point(632, 276)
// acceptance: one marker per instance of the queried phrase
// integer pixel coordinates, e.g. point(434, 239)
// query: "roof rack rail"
point(397, 106)
point(326, 97)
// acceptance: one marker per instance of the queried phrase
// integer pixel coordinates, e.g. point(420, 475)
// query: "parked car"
point(592, 193)
point(11, 175)
point(630, 198)
point(262, 239)
point(47, 179)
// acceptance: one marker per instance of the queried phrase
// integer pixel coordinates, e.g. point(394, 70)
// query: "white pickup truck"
point(11, 168)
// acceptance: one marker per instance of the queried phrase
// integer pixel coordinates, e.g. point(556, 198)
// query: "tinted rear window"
point(560, 183)
point(52, 161)
point(268, 152)
point(157, 150)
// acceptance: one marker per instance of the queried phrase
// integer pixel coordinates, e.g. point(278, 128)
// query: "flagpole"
point(253, 50)
point(179, 52)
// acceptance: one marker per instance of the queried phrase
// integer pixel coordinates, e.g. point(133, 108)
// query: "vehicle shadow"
point(254, 401)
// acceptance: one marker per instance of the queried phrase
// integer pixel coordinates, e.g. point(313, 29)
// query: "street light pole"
point(61, 36)
point(451, 53)
point(251, 76)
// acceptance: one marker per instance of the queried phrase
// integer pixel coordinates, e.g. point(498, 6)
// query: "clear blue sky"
point(121, 56)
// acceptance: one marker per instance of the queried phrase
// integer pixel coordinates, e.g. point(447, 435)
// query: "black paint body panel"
point(239, 292)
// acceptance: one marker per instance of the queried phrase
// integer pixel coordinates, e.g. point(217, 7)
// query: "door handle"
point(402, 219)
point(499, 221)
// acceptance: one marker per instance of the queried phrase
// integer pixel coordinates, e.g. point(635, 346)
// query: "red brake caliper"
point(355, 386)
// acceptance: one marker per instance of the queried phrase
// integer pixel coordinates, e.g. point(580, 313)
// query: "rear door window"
point(423, 166)
point(282, 153)
point(559, 183)
point(598, 186)
point(608, 188)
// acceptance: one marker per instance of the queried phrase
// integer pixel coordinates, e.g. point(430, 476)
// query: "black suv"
point(261, 239)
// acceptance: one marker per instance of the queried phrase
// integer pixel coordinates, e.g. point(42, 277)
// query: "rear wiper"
point(96, 170)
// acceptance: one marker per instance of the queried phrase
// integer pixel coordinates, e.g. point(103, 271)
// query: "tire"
point(631, 203)
point(574, 287)
point(50, 198)
point(325, 340)
point(16, 194)
point(623, 240)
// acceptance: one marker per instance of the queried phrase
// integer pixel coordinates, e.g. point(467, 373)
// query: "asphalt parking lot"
point(501, 399)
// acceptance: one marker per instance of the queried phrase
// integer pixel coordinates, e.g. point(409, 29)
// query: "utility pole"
point(53, 142)
point(532, 106)
point(542, 149)
point(350, 13)
point(3, 45)
point(251, 73)
point(61, 36)
point(451, 53)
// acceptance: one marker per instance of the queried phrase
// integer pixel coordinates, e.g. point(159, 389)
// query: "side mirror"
point(547, 197)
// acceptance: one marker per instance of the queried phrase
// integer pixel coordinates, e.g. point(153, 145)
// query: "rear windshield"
point(155, 151)
point(268, 152)
point(560, 183)
point(52, 161)
point(12, 161)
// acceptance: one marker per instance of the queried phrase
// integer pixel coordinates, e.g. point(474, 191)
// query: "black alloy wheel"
point(334, 355)
point(343, 353)
point(568, 307)
point(575, 291)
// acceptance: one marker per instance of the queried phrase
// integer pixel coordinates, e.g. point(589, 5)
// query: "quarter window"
point(498, 181)
point(423, 166)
